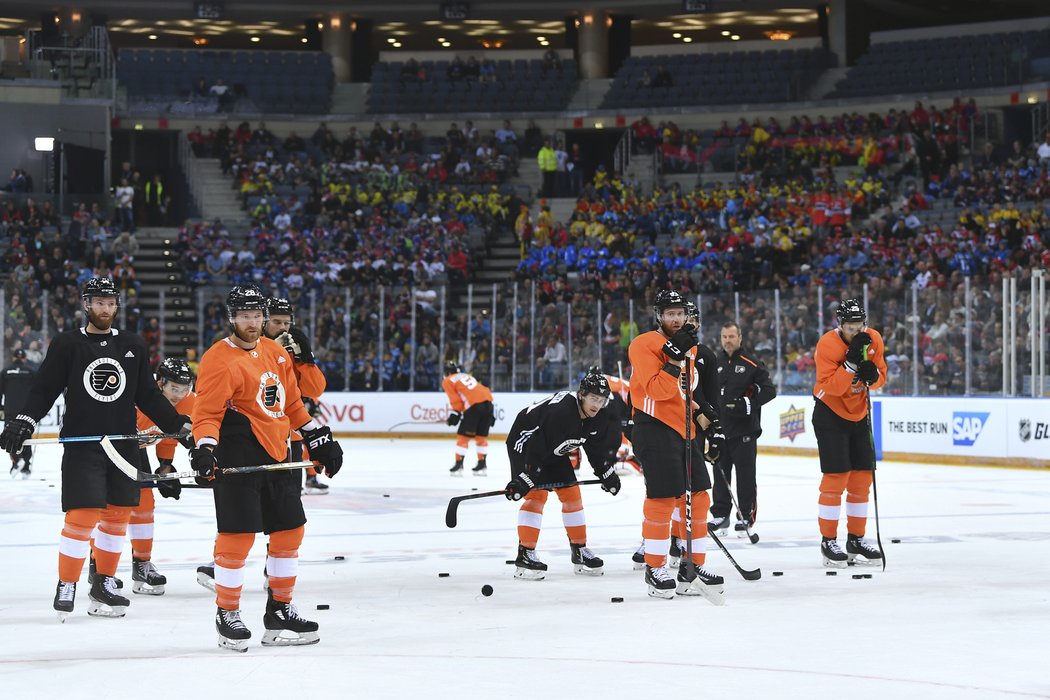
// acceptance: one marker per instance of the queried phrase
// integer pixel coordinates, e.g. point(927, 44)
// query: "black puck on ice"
point(486, 590)
point(616, 600)
point(339, 557)
point(895, 541)
point(443, 575)
point(778, 573)
point(476, 489)
point(511, 561)
point(386, 495)
point(866, 575)
point(831, 573)
point(858, 575)
point(322, 606)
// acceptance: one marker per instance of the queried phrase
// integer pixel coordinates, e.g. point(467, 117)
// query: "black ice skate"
point(64, 595)
point(700, 582)
point(660, 581)
point(26, 471)
point(833, 555)
point(638, 558)
point(233, 635)
point(860, 552)
point(315, 487)
point(457, 468)
point(284, 627)
point(719, 524)
point(206, 576)
point(145, 579)
point(584, 562)
point(674, 553)
point(482, 469)
point(740, 528)
point(92, 574)
point(105, 598)
point(528, 566)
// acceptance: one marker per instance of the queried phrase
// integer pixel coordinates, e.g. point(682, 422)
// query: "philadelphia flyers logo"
point(271, 395)
point(104, 380)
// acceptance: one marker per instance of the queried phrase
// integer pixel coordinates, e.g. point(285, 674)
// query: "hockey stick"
point(690, 568)
point(752, 575)
point(729, 487)
point(98, 438)
point(133, 472)
point(453, 504)
point(874, 483)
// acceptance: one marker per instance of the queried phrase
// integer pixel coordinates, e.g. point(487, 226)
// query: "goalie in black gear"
point(539, 444)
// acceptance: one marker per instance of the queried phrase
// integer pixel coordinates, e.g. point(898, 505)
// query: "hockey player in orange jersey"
point(280, 327)
point(247, 402)
point(850, 362)
point(659, 359)
point(472, 411)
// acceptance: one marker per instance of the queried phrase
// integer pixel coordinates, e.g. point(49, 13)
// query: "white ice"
point(961, 611)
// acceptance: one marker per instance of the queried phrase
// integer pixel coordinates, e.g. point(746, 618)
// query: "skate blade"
point(96, 609)
point(483, 472)
point(721, 532)
point(831, 564)
point(583, 570)
point(529, 574)
point(459, 473)
point(713, 593)
point(240, 645)
point(273, 638)
point(316, 492)
point(143, 588)
point(861, 560)
point(638, 565)
point(666, 594)
point(206, 581)
point(62, 615)
point(673, 562)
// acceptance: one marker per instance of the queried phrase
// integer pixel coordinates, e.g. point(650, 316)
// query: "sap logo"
point(967, 427)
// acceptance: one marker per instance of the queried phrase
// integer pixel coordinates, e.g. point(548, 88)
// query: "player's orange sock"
point(231, 549)
point(140, 526)
point(282, 562)
point(530, 518)
point(572, 514)
point(462, 446)
point(831, 488)
point(656, 529)
point(109, 538)
point(857, 487)
point(482, 446)
point(74, 543)
point(701, 504)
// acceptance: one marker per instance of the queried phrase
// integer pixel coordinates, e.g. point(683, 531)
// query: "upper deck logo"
point(792, 423)
point(104, 380)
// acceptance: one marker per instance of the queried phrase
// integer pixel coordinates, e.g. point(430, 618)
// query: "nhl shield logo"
point(1024, 430)
point(792, 423)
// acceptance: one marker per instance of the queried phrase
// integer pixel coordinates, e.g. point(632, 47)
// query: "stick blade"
point(751, 575)
point(450, 513)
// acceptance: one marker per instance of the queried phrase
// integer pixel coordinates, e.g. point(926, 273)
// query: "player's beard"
point(99, 323)
point(246, 336)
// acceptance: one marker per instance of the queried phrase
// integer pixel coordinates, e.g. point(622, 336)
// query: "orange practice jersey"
point(260, 384)
point(653, 391)
point(619, 386)
point(835, 386)
point(166, 447)
point(464, 391)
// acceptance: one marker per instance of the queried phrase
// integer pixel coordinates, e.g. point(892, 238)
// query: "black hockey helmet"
point(99, 287)
point(280, 306)
point(851, 311)
point(452, 368)
point(245, 297)
point(19, 354)
point(667, 299)
point(595, 383)
point(595, 369)
point(175, 370)
point(691, 310)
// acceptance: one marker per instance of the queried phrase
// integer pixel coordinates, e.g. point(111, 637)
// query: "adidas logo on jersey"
point(280, 359)
point(129, 354)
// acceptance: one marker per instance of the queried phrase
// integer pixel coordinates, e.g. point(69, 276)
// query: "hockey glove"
point(323, 448)
point(186, 433)
point(492, 420)
point(708, 411)
point(716, 441)
point(519, 486)
point(202, 461)
point(453, 419)
point(867, 372)
point(739, 407)
point(170, 488)
point(610, 479)
point(681, 342)
point(857, 347)
point(16, 432)
point(297, 344)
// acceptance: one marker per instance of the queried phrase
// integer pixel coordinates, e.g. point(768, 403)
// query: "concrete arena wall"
point(946, 430)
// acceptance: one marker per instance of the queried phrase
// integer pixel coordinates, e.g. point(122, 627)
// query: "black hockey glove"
point(170, 488)
point(716, 441)
point(709, 412)
point(610, 479)
point(492, 420)
point(739, 407)
point(202, 461)
point(16, 432)
point(296, 343)
point(519, 486)
point(681, 342)
point(453, 419)
point(855, 354)
point(186, 433)
point(867, 372)
point(323, 448)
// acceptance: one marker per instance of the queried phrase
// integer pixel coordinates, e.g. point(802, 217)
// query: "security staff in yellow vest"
point(155, 201)
point(547, 161)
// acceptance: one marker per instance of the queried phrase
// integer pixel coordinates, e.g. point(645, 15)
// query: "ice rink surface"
point(963, 610)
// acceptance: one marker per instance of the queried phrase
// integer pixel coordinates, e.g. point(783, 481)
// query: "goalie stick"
point(98, 438)
point(453, 504)
point(135, 474)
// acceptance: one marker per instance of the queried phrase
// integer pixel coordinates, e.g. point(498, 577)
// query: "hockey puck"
point(386, 495)
point(895, 541)
point(322, 606)
point(443, 575)
point(616, 600)
point(476, 489)
point(486, 590)
point(858, 575)
point(511, 561)
point(778, 573)
point(866, 575)
point(339, 557)
point(831, 573)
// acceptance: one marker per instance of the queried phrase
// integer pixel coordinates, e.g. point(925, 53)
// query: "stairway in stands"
point(157, 271)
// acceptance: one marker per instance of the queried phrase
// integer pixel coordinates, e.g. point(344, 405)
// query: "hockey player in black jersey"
point(14, 387)
point(105, 374)
point(539, 444)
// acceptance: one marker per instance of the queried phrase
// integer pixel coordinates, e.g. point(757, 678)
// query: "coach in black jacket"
point(745, 386)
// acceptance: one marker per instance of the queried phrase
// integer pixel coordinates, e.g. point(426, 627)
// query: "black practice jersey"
point(550, 429)
point(706, 364)
point(104, 377)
